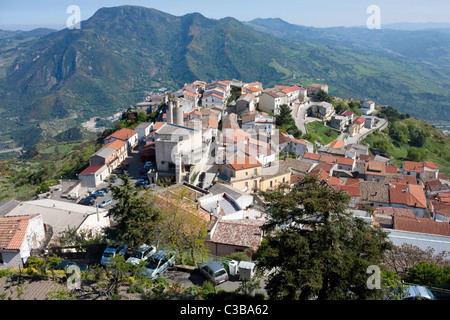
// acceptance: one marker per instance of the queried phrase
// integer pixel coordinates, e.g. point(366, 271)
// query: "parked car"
point(200, 185)
point(63, 265)
point(418, 293)
point(113, 250)
point(87, 202)
point(145, 177)
point(158, 263)
point(202, 176)
point(105, 203)
point(113, 179)
point(100, 193)
point(141, 254)
point(141, 183)
point(148, 163)
point(106, 190)
point(92, 195)
point(214, 272)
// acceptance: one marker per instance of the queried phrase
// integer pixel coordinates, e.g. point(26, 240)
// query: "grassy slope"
point(321, 133)
point(437, 145)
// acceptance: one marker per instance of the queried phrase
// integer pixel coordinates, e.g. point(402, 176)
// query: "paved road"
point(365, 132)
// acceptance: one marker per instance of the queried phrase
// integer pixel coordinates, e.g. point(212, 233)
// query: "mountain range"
point(52, 80)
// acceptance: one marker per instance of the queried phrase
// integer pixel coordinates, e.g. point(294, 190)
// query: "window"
point(255, 172)
point(1, 259)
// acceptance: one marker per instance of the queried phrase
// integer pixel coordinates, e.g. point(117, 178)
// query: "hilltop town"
point(221, 141)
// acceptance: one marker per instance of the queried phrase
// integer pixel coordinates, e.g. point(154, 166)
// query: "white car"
point(104, 203)
point(141, 254)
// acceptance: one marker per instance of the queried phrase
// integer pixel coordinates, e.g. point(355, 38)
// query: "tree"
point(141, 116)
point(418, 138)
point(416, 154)
point(425, 273)
point(399, 132)
point(285, 116)
point(323, 96)
point(286, 122)
point(180, 226)
point(117, 272)
point(316, 249)
point(135, 215)
point(400, 259)
point(381, 145)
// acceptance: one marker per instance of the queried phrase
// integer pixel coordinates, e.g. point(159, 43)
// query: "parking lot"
point(191, 278)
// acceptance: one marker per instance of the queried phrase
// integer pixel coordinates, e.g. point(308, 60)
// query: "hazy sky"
point(28, 14)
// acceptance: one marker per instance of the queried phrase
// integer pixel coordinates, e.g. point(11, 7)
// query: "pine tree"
point(134, 214)
point(317, 249)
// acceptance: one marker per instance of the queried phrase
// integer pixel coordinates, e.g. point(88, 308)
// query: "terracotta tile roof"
point(328, 158)
point(335, 181)
point(233, 135)
point(431, 183)
point(413, 166)
point(241, 232)
point(351, 182)
point(442, 208)
point(12, 231)
point(299, 141)
point(345, 161)
point(291, 89)
point(116, 144)
point(359, 120)
point(253, 89)
point(326, 166)
point(392, 211)
point(431, 165)
point(408, 195)
point(352, 190)
point(283, 138)
point(391, 169)
point(245, 163)
point(311, 156)
point(346, 113)
point(320, 173)
point(91, 169)
point(122, 134)
point(338, 144)
point(421, 225)
point(213, 94)
point(443, 176)
point(375, 167)
point(400, 178)
point(296, 178)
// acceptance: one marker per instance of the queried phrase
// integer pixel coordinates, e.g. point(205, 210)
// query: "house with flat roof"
point(61, 215)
